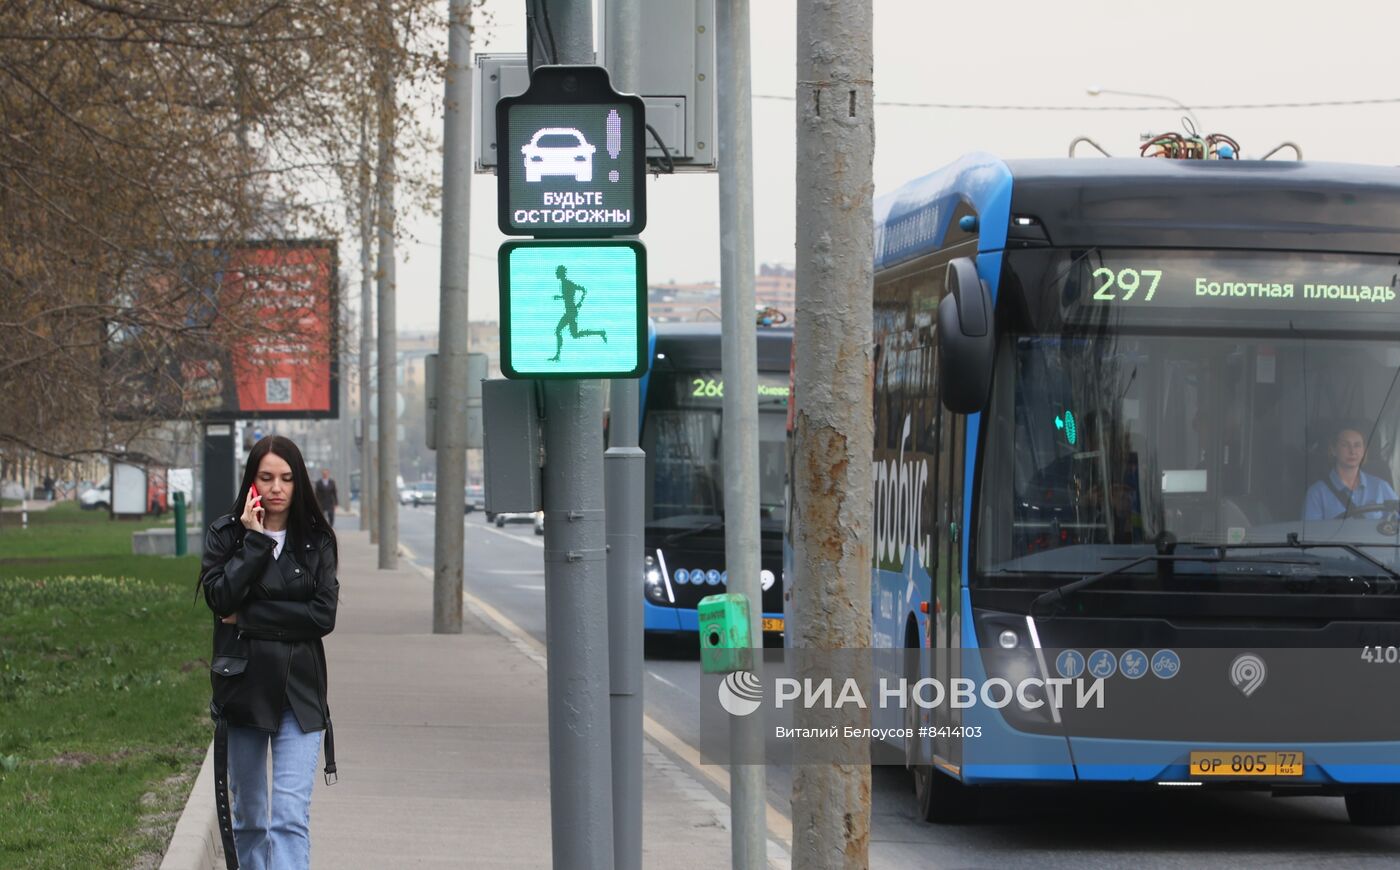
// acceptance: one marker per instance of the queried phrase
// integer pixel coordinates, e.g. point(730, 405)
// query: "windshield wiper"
point(1294, 542)
point(711, 526)
point(1060, 593)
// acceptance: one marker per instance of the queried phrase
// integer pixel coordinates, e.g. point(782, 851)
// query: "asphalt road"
point(1034, 827)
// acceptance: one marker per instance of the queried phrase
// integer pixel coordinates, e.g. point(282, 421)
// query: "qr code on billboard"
point(279, 391)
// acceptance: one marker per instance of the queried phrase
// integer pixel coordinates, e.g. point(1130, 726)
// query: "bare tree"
point(139, 136)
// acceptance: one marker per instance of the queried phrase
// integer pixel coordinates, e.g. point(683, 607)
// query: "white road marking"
point(517, 538)
point(664, 680)
point(535, 572)
point(529, 587)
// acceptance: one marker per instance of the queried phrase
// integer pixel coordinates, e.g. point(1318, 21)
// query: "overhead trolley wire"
point(993, 107)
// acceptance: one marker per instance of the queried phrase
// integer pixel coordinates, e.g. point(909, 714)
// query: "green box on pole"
point(726, 645)
point(182, 545)
point(573, 309)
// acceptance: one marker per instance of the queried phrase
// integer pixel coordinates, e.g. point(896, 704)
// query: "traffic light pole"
point(742, 523)
point(624, 466)
point(575, 566)
point(576, 626)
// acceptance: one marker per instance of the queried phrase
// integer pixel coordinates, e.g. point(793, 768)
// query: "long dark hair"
point(304, 517)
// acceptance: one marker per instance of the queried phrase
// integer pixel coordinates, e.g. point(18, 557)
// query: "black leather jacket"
point(272, 658)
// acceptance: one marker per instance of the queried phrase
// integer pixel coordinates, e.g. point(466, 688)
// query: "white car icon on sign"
point(558, 151)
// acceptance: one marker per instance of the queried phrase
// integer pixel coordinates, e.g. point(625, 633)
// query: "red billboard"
point(279, 360)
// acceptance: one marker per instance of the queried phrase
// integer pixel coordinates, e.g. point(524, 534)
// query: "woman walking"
point(269, 577)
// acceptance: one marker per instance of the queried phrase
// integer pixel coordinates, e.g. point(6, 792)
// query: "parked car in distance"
point(476, 497)
point(421, 493)
point(536, 517)
point(98, 497)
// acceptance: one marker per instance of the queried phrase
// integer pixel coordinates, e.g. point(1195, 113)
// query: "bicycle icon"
point(1166, 664)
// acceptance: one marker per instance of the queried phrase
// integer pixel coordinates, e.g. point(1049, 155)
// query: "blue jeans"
point(275, 834)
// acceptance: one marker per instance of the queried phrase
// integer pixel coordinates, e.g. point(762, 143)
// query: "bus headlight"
point(1010, 652)
point(653, 582)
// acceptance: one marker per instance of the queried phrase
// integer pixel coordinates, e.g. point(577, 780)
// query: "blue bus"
point(682, 427)
point(1137, 420)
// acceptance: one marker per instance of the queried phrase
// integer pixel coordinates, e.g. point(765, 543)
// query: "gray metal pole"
point(449, 531)
point(575, 565)
point(388, 338)
point(576, 625)
point(367, 481)
point(833, 425)
point(345, 426)
point(742, 524)
point(624, 465)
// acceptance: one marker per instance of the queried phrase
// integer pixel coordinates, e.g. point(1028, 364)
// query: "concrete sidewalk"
point(443, 747)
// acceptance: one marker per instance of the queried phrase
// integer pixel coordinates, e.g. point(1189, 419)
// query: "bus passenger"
point(1346, 486)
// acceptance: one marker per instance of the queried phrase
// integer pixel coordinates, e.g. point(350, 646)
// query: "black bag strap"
point(221, 793)
point(329, 742)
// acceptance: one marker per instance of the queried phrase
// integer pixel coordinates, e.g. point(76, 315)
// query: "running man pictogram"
point(573, 295)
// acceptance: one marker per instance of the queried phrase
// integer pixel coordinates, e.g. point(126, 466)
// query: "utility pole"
point(367, 480)
point(448, 530)
point(575, 554)
point(739, 366)
point(624, 467)
point(345, 426)
point(388, 338)
point(834, 426)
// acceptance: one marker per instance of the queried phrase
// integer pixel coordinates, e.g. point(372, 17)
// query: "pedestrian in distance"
point(327, 497)
point(269, 576)
point(48, 487)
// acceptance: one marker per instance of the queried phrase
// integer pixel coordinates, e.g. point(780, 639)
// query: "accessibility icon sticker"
point(1133, 664)
point(1070, 664)
point(1102, 664)
point(1166, 663)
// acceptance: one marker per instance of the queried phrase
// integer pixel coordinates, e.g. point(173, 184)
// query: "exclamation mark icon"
point(614, 140)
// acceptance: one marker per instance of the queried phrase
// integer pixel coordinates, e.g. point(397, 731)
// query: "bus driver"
point(1346, 486)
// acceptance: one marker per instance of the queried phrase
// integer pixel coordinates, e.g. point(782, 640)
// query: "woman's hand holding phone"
point(253, 510)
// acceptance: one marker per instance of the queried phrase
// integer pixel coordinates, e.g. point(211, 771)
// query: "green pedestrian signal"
point(573, 309)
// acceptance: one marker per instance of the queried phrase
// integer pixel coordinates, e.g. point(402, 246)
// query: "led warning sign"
point(573, 309)
point(574, 157)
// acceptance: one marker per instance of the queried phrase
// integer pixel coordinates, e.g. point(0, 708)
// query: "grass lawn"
point(104, 691)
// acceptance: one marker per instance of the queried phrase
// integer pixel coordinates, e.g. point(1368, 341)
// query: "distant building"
point(775, 286)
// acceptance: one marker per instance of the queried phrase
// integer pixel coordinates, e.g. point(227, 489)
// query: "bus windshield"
point(682, 437)
point(1220, 417)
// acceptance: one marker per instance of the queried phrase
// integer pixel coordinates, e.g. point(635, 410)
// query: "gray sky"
point(1014, 52)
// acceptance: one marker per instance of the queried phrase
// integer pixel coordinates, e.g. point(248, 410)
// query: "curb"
point(196, 844)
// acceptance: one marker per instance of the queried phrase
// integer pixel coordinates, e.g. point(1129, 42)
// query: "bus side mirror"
point(966, 340)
